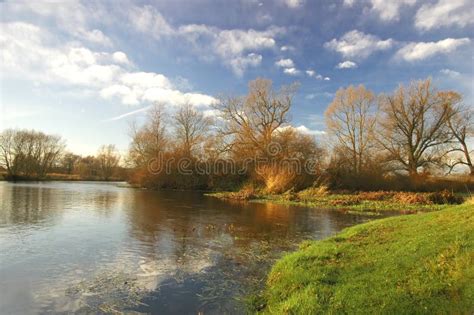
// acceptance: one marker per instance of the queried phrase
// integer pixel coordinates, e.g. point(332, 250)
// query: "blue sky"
point(85, 69)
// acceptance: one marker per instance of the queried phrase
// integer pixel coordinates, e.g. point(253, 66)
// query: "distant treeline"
point(29, 154)
point(399, 141)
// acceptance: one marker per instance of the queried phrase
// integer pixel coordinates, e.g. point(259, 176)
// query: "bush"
point(276, 180)
point(376, 195)
point(247, 192)
point(313, 192)
point(412, 198)
point(445, 197)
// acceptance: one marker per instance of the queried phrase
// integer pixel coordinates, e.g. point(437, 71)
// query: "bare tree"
point(108, 159)
point(150, 139)
point(68, 162)
point(191, 128)
point(29, 153)
point(414, 126)
point(251, 121)
point(351, 119)
point(461, 126)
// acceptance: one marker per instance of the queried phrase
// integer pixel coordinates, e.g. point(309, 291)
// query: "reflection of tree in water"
point(241, 240)
point(46, 203)
point(21, 205)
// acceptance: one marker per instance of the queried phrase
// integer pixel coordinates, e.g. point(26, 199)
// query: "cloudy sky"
point(85, 69)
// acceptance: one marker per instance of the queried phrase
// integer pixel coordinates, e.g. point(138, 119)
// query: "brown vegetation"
point(405, 141)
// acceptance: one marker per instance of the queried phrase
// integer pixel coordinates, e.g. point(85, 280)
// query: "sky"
point(86, 69)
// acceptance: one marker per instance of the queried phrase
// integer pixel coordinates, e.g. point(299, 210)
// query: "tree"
point(150, 139)
point(108, 159)
point(8, 151)
point(414, 126)
point(461, 127)
point(251, 121)
point(351, 119)
point(191, 128)
point(29, 153)
point(69, 161)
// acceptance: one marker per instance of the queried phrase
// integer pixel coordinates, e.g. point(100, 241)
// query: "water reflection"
point(100, 248)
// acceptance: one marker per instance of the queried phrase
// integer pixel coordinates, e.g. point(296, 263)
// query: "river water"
point(93, 247)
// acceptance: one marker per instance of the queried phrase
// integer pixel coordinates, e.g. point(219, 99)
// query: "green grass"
point(414, 264)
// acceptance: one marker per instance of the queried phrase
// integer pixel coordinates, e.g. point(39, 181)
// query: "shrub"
point(445, 197)
point(276, 180)
point(247, 192)
point(412, 198)
point(290, 195)
point(313, 192)
point(376, 195)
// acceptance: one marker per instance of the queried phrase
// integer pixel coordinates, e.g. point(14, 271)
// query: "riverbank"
point(363, 202)
point(421, 263)
point(60, 177)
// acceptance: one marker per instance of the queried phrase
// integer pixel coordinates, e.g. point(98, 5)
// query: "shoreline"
point(361, 203)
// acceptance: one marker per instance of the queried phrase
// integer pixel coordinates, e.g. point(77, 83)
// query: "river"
point(95, 247)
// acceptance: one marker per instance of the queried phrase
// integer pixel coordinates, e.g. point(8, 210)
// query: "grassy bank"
point(421, 263)
point(370, 202)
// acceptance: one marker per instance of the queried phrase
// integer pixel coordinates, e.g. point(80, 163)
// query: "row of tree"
point(249, 139)
point(26, 154)
point(417, 129)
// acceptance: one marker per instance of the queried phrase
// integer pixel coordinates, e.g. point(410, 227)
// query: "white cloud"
point(25, 55)
point(347, 65)
point(348, 3)
point(327, 79)
point(71, 17)
point(319, 77)
point(148, 20)
point(306, 130)
point(422, 50)
point(310, 73)
point(236, 48)
point(291, 71)
point(240, 63)
point(450, 73)
point(234, 42)
point(293, 4)
point(303, 129)
point(444, 13)
point(389, 10)
point(145, 80)
point(285, 63)
point(287, 48)
point(120, 57)
point(356, 44)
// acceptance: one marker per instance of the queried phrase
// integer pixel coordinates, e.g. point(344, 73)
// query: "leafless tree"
point(191, 128)
point(414, 126)
point(461, 126)
point(150, 139)
point(29, 153)
point(351, 119)
point(108, 159)
point(251, 121)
